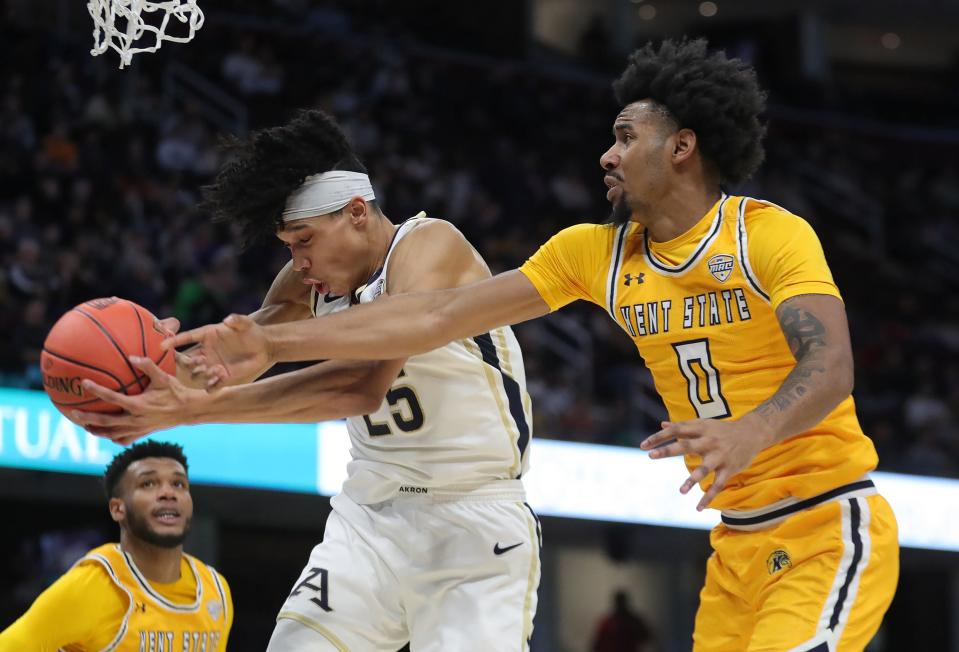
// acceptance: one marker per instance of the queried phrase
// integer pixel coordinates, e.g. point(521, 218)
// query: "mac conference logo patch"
point(778, 561)
point(721, 266)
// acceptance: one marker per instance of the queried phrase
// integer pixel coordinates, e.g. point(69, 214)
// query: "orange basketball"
point(94, 340)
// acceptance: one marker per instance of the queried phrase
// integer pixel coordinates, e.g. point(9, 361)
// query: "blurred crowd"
point(100, 174)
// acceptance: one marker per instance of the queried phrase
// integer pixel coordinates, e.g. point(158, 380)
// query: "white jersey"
point(455, 417)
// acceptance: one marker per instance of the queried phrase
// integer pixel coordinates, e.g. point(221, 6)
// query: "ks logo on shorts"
point(720, 266)
point(778, 561)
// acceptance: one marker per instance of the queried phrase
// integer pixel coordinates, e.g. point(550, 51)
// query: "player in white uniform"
point(430, 541)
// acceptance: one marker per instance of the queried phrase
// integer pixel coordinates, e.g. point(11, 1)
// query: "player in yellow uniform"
point(143, 594)
point(733, 308)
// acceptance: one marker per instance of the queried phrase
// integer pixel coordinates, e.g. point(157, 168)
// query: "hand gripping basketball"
point(166, 403)
point(94, 341)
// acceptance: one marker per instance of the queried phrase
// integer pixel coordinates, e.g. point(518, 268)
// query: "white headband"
point(326, 193)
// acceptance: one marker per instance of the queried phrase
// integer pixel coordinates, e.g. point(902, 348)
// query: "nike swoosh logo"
point(329, 298)
point(499, 551)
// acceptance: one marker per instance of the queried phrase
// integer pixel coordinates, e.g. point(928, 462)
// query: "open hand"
point(726, 448)
point(165, 403)
point(233, 351)
point(191, 367)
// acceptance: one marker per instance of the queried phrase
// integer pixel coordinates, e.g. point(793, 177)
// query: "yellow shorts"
point(819, 581)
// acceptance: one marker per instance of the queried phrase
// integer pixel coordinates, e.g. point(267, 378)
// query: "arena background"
point(492, 115)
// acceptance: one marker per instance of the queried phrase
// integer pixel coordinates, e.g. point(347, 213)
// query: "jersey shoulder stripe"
point(616, 262)
point(742, 243)
point(125, 623)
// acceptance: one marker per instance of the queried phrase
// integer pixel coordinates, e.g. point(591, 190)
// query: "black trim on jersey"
point(513, 395)
point(708, 240)
point(801, 505)
point(741, 241)
point(389, 250)
point(822, 647)
point(854, 518)
point(159, 599)
point(614, 279)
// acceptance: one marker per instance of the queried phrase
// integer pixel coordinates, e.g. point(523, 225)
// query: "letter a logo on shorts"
point(721, 266)
point(778, 561)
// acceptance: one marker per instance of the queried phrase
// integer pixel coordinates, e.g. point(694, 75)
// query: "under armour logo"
point(630, 278)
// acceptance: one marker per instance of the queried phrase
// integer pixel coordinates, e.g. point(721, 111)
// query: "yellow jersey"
point(104, 603)
point(701, 311)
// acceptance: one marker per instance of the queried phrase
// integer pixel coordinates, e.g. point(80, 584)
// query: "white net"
point(120, 24)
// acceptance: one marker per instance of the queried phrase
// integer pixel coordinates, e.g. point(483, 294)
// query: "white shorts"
point(441, 570)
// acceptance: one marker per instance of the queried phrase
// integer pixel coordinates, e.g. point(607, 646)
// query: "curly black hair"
point(716, 97)
point(252, 188)
point(120, 463)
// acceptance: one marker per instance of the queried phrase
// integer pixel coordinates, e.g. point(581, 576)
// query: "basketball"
point(93, 341)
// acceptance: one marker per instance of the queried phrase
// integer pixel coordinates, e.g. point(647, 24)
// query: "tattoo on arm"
point(805, 335)
point(803, 331)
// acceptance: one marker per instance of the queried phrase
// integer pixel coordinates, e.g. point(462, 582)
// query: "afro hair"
point(718, 98)
point(252, 188)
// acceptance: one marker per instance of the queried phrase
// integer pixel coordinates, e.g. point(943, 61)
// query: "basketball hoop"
point(118, 24)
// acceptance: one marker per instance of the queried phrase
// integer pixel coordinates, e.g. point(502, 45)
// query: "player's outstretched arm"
point(816, 330)
point(395, 326)
point(288, 299)
point(324, 391)
point(328, 390)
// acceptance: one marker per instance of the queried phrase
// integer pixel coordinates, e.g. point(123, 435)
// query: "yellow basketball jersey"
point(701, 310)
point(152, 622)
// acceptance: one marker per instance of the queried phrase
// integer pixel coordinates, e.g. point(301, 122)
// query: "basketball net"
point(118, 24)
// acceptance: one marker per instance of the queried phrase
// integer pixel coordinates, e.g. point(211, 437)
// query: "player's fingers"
point(238, 322)
point(674, 449)
point(697, 476)
point(658, 438)
point(200, 373)
point(107, 395)
point(99, 431)
point(168, 326)
point(185, 361)
point(158, 377)
point(194, 363)
point(673, 430)
point(126, 440)
point(682, 429)
point(718, 483)
point(97, 419)
point(193, 336)
point(112, 433)
point(216, 377)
